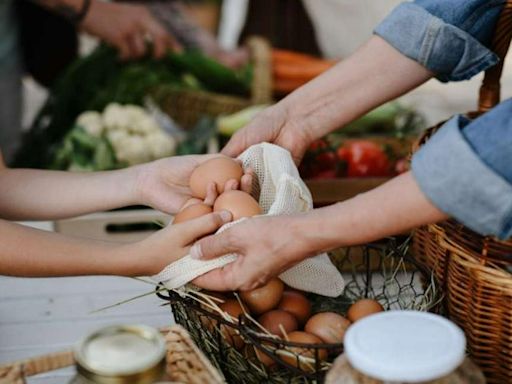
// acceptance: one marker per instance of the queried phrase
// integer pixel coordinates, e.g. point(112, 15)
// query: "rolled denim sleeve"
point(448, 37)
point(466, 171)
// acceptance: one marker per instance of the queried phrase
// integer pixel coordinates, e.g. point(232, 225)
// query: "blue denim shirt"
point(466, 168)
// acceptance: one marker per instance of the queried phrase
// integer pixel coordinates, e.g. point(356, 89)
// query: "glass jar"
point(121, 354)
point(403, 347)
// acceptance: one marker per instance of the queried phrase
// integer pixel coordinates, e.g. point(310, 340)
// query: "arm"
point(30, 252)
point(124, 26)
point(373, 75)
point(35, 194)
point(417, 41)
point(392, 208)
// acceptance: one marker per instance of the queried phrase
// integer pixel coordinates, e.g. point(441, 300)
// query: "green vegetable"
point(198, 138)
point(96, 80)
point(228, 125)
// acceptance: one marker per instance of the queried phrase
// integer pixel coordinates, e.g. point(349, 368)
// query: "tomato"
point(325, 160)
point(318, 145)
point(365, 159)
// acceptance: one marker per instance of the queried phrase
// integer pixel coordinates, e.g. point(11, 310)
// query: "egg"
point(218, 170)
point(297, 304)
point(265, 359)
point(265, 298)
point(192, 212)
point(299, 353)
point(328, 326)
point(239, 203)
point(273, 320)
point(363, 308)
point(230, 334)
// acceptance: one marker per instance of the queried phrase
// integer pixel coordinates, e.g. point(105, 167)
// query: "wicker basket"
point(474, 270)
point(186, 107)
point(185, 362)
point(383, 272)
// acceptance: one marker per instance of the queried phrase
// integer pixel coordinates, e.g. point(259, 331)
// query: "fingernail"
point(195, 252)
point(225, 216)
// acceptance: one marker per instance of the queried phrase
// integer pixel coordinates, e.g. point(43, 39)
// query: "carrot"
point(284, 86)
point(301, 71)
point(284, 56)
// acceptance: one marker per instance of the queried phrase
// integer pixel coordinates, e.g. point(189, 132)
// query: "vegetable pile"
point(376, 145)
point(94, 81)
point(118, 137)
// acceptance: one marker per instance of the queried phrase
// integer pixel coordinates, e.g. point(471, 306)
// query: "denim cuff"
point(459, 183)
point(449, 52)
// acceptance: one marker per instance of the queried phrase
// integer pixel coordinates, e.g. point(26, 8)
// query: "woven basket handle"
point(490, 90)
point(261, 55)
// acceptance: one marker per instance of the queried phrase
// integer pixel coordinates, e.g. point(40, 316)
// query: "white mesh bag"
point(281, 192)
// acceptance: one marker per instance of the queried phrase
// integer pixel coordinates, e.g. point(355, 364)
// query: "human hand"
point(265, 246)
point(151, 255)
point(164, 184)
point(127, 27)
point(274, 126)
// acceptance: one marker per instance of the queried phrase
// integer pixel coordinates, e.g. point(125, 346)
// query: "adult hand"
point(164, 184)
point(154, 253)
point(274, 126)
point(266, 247)
point(128, 28)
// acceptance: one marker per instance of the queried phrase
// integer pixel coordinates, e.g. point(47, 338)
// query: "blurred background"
point(67, 98)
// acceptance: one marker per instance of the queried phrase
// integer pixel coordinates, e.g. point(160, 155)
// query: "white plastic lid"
point(405, 346)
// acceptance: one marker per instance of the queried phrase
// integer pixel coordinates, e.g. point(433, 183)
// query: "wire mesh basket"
point(244, 353)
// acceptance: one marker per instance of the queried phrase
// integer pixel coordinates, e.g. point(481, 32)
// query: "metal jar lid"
point(405, 346)
point(119, 354)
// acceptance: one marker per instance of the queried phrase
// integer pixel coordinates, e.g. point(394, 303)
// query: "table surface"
point(43, 315)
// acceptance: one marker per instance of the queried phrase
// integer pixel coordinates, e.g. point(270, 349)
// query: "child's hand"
point(171, 243)
point(163, 184)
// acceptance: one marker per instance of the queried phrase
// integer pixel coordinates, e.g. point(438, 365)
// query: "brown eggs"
point(272, 321)
point(303, 358)
point(265, 298)
point(328, 326)
point(363, 308)
point(239, 203)
point(265, 359)
point(192, 212)
point(233, 308)
point(218, 170)
point(297, 304)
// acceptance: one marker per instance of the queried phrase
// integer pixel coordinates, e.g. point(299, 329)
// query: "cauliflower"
point(160, 145)
point(132, 150)
point(133, 134)
point(91, 122)
point(114, 117)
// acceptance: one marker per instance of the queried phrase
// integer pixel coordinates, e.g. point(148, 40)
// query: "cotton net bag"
point(281, 192)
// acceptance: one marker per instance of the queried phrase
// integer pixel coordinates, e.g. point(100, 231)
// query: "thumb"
point(235, 146)
point(204, 225)
point(214, 246)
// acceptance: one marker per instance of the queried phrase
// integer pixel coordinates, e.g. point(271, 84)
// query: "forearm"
point(66, 8)
point(373, 75)
point(390, 209)
point(30, 252)
point(27, 194)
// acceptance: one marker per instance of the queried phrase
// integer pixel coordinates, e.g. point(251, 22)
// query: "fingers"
point(211, 194)
point(191, 230)
point(215, 246)
point(220, 279)
point(231, 185)
point(246, 182)
point(236, 145)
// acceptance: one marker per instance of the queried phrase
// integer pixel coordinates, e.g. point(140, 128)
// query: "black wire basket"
point(244, 354)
